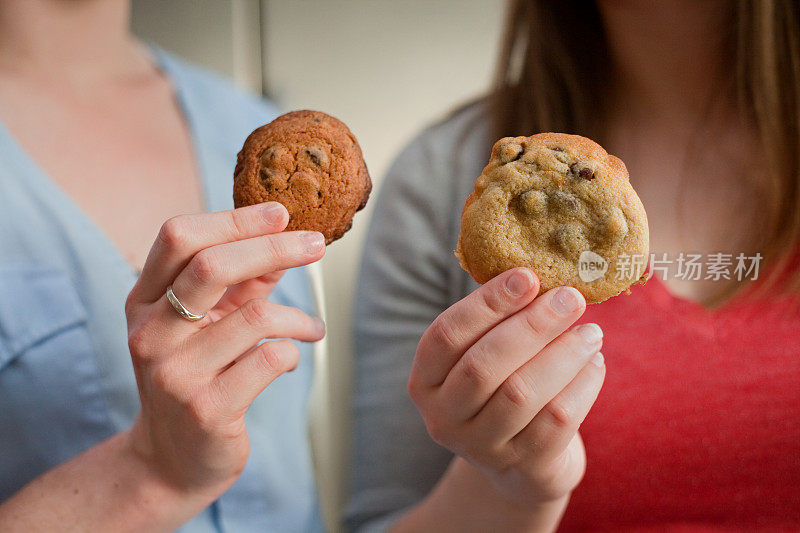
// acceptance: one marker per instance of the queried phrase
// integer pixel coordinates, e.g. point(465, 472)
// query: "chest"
point(122, 153)
point(700, 206)
point(701, 200)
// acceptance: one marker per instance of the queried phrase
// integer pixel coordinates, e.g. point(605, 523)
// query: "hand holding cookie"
point(197, 378)
point(503, 381)
point(560, 205)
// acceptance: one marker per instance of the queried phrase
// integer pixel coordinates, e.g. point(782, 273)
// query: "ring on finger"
point(181, 309)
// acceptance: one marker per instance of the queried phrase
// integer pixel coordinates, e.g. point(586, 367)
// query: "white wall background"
point(384, 67)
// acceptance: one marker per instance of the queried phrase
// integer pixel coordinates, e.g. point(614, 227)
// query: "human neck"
point(79, 39)
point(667, 57)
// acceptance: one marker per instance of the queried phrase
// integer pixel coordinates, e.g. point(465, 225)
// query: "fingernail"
point(319, 324)
point(598, 360)
point(590, 333)
point(313, 240)
point(519, 283)
point(566, 300)
point(272, 212)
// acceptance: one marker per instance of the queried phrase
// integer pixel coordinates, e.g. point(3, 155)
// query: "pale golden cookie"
point(560, 205)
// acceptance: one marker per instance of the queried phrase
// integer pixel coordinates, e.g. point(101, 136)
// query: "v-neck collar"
point(45, 184)
point(169, 66)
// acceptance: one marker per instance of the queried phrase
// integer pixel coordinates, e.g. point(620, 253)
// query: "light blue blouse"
point(66, 380)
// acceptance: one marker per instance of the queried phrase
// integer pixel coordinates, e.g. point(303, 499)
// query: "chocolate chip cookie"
point(312, 164)
point(562, 206)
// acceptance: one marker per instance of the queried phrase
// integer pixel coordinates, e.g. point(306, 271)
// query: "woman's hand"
point(503, 383)
point(197, 379)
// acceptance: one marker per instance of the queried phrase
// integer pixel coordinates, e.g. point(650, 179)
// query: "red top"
point(697, 427)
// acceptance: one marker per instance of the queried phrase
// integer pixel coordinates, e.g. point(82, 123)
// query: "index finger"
point(469, 319)
point(181, 237)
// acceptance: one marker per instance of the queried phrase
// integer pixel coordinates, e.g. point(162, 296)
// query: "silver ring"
point(181, 309)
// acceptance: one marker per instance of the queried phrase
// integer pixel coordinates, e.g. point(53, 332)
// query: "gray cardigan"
point(408, 276)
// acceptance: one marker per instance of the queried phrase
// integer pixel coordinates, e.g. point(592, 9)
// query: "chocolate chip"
point(273, 153)
point(510, 152)
point(570, 240)
point(616, 225)
point(317, 156)
point(564, 202)
point(265, 175)
point(532, 202)
point(578, 171)
point(269, 153)
point(560, 154)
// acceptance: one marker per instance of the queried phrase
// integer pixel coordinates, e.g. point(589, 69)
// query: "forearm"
point(107, 488)
point(465, 500)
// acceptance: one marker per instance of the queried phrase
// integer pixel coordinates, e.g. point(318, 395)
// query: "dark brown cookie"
point(311, 163)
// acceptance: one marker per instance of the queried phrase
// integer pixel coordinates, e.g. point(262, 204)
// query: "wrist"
point(467, 500)
point(176, 473)
point(524, 512)
point(154, 494)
